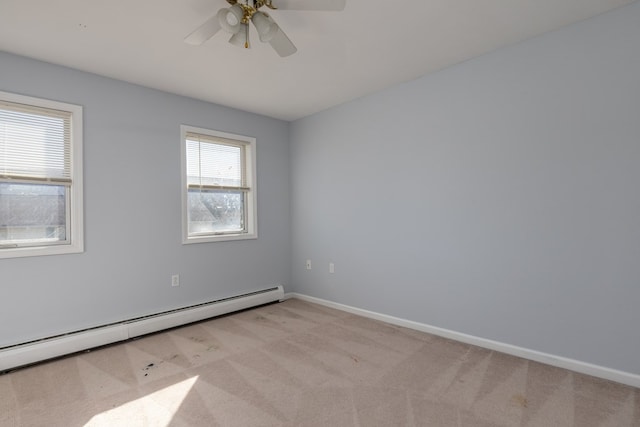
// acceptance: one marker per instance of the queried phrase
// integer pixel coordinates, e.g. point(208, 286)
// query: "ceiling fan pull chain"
point(246, 39)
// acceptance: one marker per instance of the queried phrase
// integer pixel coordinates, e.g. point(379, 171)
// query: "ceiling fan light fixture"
point(241, 38)
point(235, 20)
point(230, 18)
point(265, 25)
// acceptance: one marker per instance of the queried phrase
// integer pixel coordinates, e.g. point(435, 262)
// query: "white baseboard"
point(537, 356)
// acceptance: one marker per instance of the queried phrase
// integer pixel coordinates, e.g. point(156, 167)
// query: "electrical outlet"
point(332, 268)
point(308, 264)
point(175, 280)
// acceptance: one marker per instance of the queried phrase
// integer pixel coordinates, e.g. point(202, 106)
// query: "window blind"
point(35, 144)
point(215, 163)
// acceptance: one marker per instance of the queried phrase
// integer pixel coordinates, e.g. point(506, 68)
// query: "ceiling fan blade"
point(204, 32)
point(282, 45)
point(310, 4)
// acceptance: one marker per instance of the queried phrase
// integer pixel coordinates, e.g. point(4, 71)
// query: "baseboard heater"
point(48, 348)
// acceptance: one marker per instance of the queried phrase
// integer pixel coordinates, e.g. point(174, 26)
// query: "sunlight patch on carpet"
point(157, 408)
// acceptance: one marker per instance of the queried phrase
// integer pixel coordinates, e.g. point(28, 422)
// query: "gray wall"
point(132, 210)
point(498, 198)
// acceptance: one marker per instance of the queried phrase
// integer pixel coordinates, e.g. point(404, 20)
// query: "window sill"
point(33, 251)
point(219, 238)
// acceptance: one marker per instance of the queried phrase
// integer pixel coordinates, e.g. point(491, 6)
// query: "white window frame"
point(251, 216)
point(74, 207)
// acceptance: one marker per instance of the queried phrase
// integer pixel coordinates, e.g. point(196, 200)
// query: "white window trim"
point(76, 209)
point(252, 200)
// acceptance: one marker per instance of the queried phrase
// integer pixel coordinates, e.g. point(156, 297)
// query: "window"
point(40, 177)
point(218, 186)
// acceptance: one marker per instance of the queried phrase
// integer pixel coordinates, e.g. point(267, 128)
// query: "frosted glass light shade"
point(241, 38)
point(265, 26)
point(230, 18)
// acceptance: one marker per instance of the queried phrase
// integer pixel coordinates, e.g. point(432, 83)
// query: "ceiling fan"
point(235, 20)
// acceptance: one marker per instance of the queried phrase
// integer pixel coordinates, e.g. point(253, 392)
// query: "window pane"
point(32, 213)
point(215, 211)
point(218, 186)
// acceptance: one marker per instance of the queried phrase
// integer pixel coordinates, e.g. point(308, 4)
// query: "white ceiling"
point(341, 55)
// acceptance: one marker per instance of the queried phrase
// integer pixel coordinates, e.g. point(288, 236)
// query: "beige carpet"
point(300, 364)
